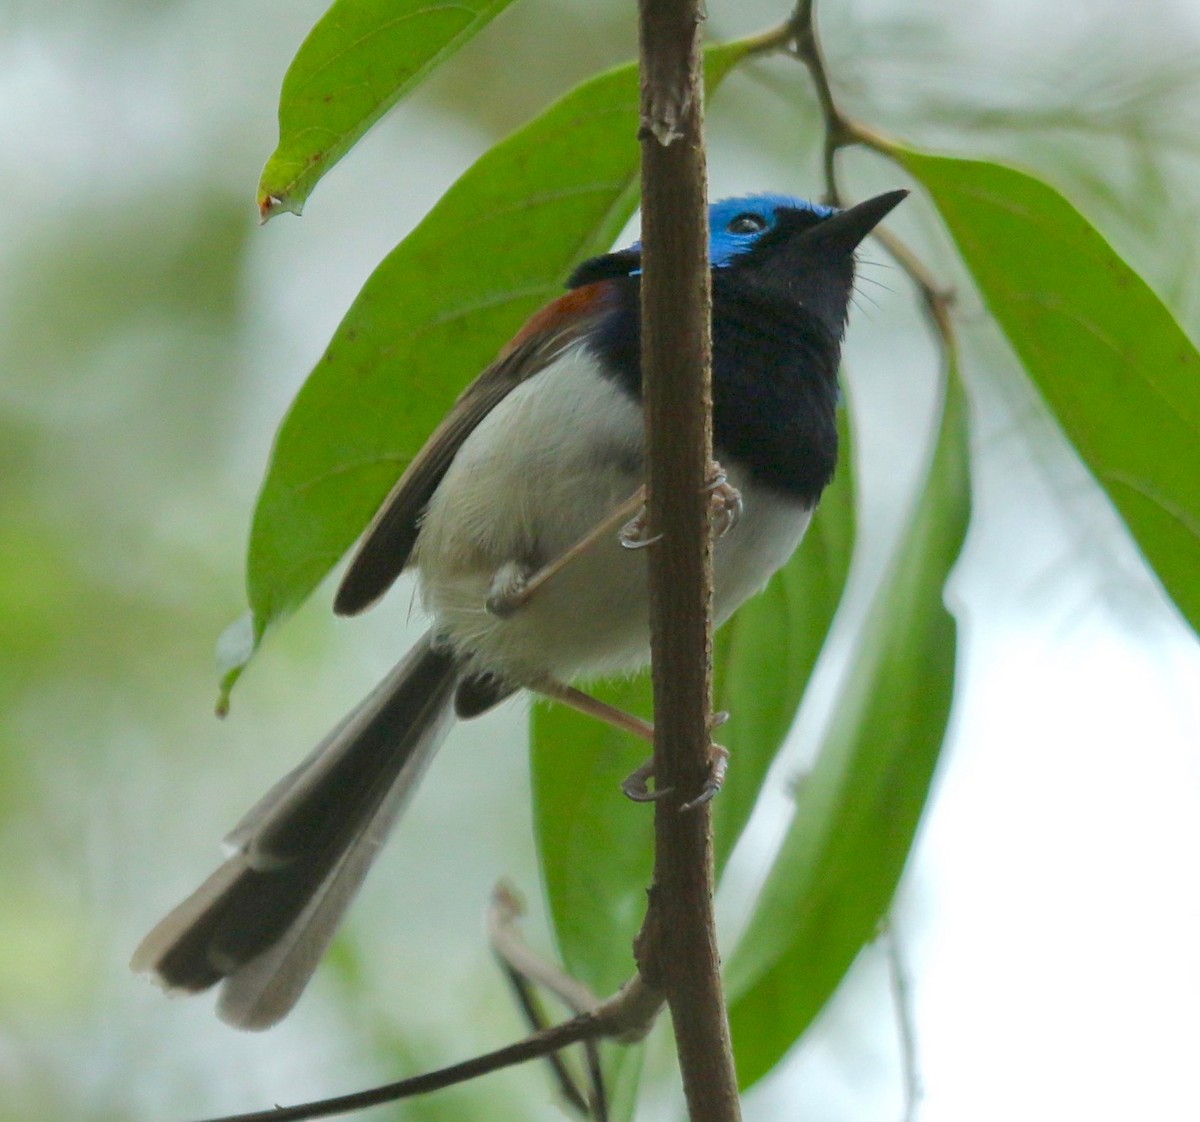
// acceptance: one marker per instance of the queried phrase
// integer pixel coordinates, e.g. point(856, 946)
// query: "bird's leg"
point(594, 707)
point(635, 785)
point(725, 508)
point(514, 585)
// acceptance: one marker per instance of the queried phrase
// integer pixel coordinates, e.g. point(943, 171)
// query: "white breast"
point(550, 462)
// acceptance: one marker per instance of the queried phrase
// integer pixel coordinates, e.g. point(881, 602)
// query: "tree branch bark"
point(677, 948)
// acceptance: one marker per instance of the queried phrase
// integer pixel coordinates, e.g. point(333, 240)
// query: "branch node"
point(663, 120)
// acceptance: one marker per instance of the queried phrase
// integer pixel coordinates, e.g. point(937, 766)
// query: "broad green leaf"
point(764, 655)
point(1115, 368)
point(437, 309)
point(857, 811)
point(361, 58)
point(597, 847)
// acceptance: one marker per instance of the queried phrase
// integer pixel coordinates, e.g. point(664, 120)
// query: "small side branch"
point(905, 1025)
point(798, 36)
point(639, 1005)
point(624, 1016)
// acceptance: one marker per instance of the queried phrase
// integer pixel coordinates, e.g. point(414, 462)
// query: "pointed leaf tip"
point(235, 647)
point(271, 205)
point(359, 60)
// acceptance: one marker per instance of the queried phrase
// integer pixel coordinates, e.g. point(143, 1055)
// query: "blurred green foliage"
point(145, 327)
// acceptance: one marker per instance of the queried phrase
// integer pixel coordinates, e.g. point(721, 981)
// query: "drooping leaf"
point(763, 657)
point(1115, 368)
point(596, 849)
point(857, 811)
point(596, 846)
point(361, 58)
point(437, 309)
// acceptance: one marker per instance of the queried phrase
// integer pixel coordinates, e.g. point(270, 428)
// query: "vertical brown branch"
point(677, 951)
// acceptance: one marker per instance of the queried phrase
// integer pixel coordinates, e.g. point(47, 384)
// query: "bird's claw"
point(718, 765)
point(724, 510)
point(725, 501)
point(636, 784)
point(508, 592)
point(633, 535)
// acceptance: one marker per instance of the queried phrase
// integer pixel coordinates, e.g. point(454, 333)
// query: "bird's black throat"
point(774, 381)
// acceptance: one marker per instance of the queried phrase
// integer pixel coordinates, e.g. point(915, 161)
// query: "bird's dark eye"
point(748, 223)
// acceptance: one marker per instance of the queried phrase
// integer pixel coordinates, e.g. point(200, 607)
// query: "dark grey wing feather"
point(389, 539)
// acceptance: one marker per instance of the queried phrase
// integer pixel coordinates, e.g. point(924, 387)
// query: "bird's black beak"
point(843, 232)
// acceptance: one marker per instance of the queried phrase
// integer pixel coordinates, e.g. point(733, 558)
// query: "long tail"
point(263, 920)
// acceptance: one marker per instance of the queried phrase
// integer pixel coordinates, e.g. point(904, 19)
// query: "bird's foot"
point(725, 508)
point(725, 501)
point(636, 785)
point(635, 533)
point(510, 590)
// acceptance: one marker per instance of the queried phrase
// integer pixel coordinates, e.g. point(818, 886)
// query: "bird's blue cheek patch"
point(726, 244)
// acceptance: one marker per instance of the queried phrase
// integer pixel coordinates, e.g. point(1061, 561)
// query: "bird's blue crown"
point(732, 227)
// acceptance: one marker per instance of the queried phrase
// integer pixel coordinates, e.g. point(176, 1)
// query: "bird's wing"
point(389, 540)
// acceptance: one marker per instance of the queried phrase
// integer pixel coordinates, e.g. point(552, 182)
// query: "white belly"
point(550, 462)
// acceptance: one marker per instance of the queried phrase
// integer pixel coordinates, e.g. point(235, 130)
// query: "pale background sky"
point(1050, 919)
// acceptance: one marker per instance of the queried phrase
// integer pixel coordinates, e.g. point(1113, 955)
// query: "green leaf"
point(1115, 368)
point(496, 246)
point(857, 811)
point(596, 845)
point(361, 58)
point(596, 849)
point(763, 657)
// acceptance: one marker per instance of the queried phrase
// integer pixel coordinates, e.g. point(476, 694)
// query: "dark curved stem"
point(799, 34)
point(532, 1047)
point(627, 1015)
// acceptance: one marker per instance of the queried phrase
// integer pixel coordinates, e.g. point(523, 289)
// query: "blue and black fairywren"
point(543, 448)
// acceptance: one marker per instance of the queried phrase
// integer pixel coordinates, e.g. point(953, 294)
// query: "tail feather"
point(262, 921)
point(264, 990)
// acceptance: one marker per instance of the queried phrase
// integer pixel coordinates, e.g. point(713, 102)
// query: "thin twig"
point(533, 1047)
point(626, 1016)
point(524, 968)
point(807, 47)
point(799, 34)
point(536, 1019)
point(905, 1024)
point(507, 942)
